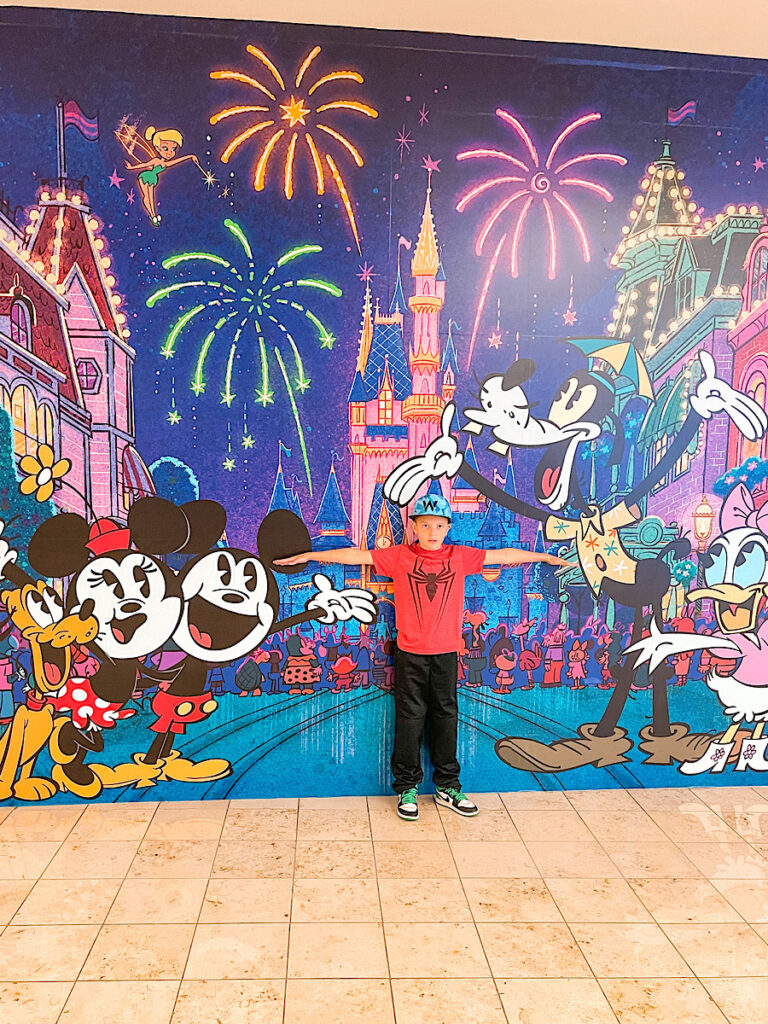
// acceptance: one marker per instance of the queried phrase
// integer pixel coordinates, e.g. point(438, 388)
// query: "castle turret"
point(422, 410)
point(450, 366)
point(280, 497)
point(332, 517)
point(385, 520)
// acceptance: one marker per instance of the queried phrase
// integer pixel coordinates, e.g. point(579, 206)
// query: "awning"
point(667, 414)
point(136, 477)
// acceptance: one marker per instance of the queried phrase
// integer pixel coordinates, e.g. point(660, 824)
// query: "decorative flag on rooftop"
point(87, 126)
point(678, 116)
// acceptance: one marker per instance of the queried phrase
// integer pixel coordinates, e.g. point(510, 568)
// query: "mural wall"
point(530, 277)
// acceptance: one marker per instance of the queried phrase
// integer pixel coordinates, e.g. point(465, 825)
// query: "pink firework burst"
point(530, 183)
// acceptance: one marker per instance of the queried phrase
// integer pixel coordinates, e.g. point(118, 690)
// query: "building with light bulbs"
point(66, 365)
point(680, 293)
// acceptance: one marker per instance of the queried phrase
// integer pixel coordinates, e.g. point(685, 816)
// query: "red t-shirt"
point(429, 593)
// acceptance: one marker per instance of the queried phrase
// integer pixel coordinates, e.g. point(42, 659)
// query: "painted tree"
point(174, 480)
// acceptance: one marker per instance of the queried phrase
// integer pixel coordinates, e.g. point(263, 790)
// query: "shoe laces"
point(456, 794)
point(409, 796)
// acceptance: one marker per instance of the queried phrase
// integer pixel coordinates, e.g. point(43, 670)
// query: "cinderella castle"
point(406, 372)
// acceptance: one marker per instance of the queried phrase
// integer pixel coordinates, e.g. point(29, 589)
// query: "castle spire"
point(426, 258)
point(366, 330)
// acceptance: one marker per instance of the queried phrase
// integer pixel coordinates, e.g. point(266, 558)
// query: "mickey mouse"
point(231, 605)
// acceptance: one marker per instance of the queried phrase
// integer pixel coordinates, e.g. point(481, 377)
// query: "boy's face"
point(430, 531)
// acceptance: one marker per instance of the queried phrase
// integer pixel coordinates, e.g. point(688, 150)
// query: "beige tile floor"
point(648, 907)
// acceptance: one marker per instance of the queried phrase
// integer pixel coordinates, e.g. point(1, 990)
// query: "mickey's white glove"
point(441, 459)
point(7, 553)
point(341, 605)
point(657, 647)
point(714, 395)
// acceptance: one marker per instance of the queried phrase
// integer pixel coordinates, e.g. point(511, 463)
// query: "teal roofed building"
point(682, 274)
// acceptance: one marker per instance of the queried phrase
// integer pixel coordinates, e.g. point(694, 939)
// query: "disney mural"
point(531, 278)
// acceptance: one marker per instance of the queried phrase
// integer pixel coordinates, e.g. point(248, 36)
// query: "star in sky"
point(431, 165)
point(247, 441)
point(404, 142)
point(209, 179)
point(228, 464)
point(494, 339)
point(174, 417)
point(225, 193)
point(327, 340)
point(115, 179)
point(366, 272)
point(423, 115)
point(569, 317)
point(131, 198)
point(759, 164)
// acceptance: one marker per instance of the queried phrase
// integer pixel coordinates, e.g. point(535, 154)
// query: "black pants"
point(425, 689)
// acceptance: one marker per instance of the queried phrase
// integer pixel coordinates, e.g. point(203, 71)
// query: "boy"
point(429, 603)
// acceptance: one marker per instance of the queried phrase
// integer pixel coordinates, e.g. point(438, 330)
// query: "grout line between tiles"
point(290, 908)
point(200, 910)
point(381, 914)
point(477, 930)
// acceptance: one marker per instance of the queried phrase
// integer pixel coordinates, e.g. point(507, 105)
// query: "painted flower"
point(40, 471)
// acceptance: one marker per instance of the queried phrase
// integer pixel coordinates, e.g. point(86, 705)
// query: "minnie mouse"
point(231, 605)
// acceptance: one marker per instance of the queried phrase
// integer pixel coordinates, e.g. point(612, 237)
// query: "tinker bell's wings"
point(134, 144)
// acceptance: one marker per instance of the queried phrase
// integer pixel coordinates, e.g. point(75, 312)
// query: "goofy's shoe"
point(563, 755)
point(713, 760)
point(753, 755)
point(679, 744)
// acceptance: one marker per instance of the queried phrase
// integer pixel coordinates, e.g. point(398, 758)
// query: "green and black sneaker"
point(407, 805)
point(457, 801)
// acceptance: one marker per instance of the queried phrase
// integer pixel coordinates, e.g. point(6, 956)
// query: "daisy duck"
point(736, 580)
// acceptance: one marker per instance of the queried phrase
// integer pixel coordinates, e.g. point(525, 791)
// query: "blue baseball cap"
point(431, 505)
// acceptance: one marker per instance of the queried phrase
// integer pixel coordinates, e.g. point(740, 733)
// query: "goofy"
point(576, 411)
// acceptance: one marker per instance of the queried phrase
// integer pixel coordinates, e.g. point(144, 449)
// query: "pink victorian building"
point(66, 367)
point(749, 341)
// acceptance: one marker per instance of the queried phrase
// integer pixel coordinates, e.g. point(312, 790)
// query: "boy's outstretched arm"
point(516, 556)
point(342, 556)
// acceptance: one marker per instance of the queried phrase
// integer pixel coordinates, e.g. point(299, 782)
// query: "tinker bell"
point(160, 147)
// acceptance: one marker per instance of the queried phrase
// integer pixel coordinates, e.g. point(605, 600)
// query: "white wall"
point(738, 27)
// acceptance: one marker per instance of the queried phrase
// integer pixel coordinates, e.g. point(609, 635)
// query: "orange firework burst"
point(289, 114)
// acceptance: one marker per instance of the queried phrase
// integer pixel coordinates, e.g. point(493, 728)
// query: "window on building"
point(45, 425)
point(24, 415)
point(756, 389)
point(659, 451)
point(21, 324)
point(5, 399)
point(685, 293)
point(758, 289)
point(385, 405)
point(89, 375)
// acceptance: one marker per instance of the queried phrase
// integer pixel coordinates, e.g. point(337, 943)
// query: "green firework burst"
point(259, 318)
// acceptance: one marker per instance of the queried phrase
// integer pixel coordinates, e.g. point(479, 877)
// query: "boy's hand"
point(555, 560)
point(306, 556)
point(341, 605)
point(441, 459)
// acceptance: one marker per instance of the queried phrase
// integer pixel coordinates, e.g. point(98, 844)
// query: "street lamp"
point(703, 517)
